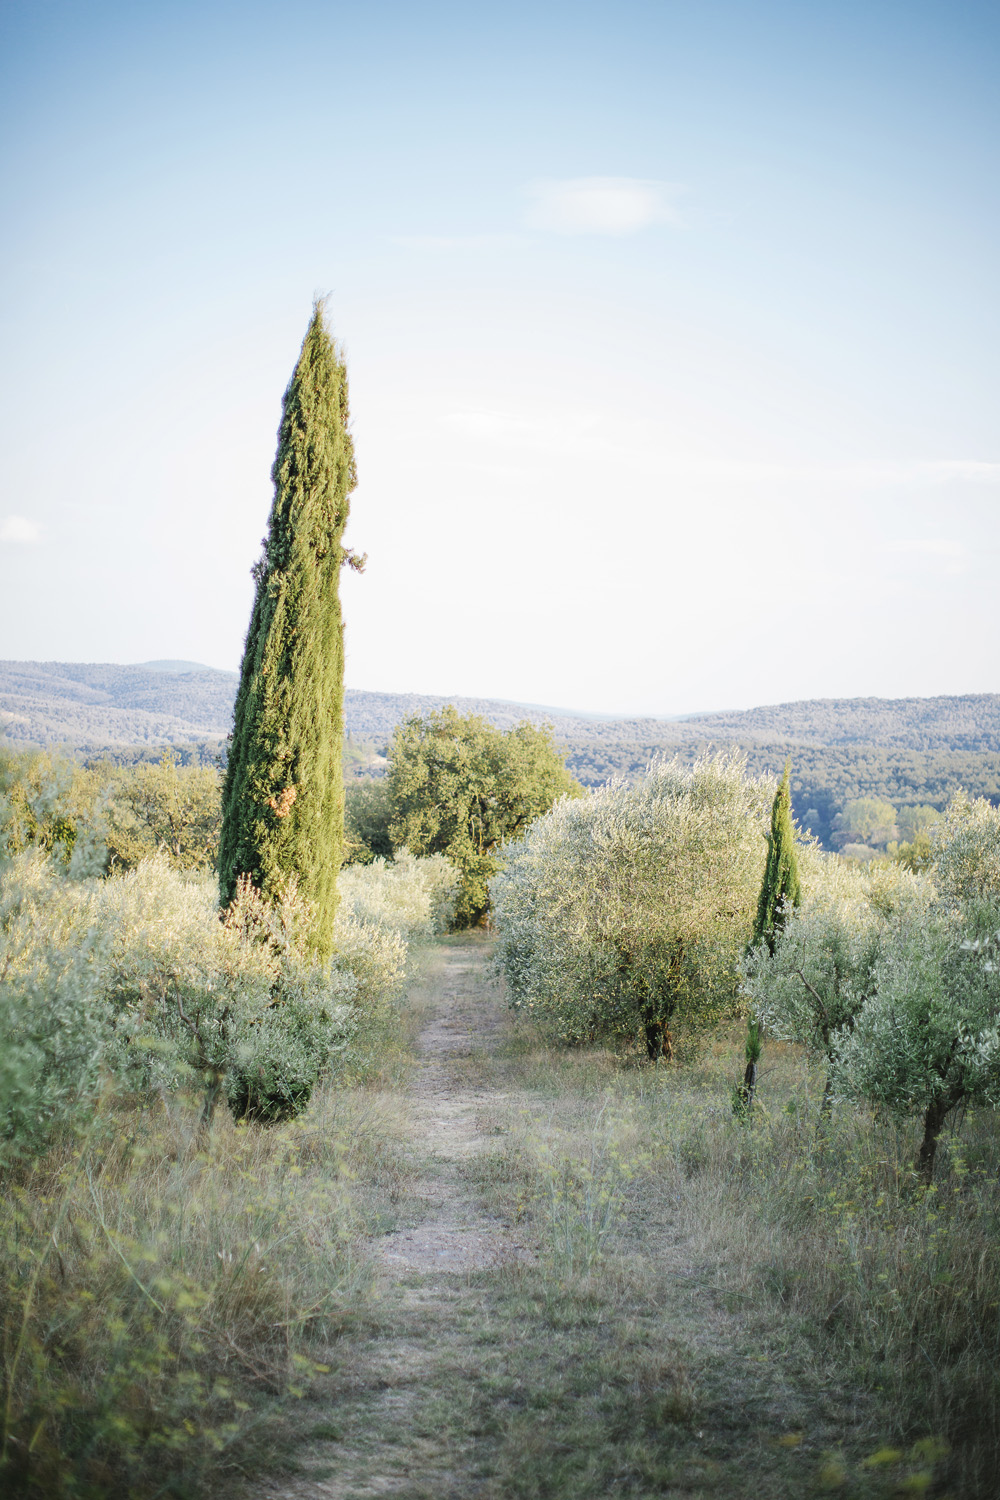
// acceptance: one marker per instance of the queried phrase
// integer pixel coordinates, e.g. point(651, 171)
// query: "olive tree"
point(893, 979)
point(814, 984)
point(928, 1039)
point(628, 912)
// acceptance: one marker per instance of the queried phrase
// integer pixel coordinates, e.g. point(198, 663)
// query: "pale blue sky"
point(672, 332)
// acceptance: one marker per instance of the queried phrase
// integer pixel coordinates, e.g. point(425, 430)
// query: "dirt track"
point(449, 1118)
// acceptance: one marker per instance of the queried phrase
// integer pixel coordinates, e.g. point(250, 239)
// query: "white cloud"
point(601, 205)
point(18, 529)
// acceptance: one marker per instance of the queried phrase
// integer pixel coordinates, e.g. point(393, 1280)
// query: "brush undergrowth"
point(824, 1222)
point(816, 1232)
point(167, 1297)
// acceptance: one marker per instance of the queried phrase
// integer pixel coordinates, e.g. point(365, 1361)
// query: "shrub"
point(966, 845)
point(928, 1038)
point(628, 912)
point(136, 976)
point(384, 908)
point(416, 897)
point(894, 978)
point(55, 1025)
point(49, 803)
point(166, 808)
point(367, 814)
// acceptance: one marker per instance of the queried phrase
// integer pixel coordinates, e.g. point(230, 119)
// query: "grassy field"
point(171, 1296)
point(673, 1303)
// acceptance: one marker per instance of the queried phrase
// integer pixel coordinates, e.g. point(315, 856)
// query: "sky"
point(671, 331)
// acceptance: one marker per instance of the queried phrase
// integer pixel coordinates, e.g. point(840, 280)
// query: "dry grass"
point(165, 1296)
point(814, 1235)
point(709, 1308)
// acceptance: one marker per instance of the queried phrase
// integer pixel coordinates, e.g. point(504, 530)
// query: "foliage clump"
point(893, 978)
point(459, 786)
point(135, 978)
point(102, 817)
point(367, 815)
point(165, 807)
point(627, 913)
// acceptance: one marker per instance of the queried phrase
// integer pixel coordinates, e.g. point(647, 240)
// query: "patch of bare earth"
point(448, 1119)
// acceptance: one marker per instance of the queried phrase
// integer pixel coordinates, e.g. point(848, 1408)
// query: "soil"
point(448, 1117)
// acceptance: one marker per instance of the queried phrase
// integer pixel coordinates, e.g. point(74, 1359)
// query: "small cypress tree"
point(780, 890)
point(283, 797)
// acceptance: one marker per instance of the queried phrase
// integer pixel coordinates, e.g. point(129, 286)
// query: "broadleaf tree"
point(628, 912)
point(283, 798)
point(459, 786)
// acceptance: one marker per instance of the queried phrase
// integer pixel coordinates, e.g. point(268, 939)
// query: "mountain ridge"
point(93, 705)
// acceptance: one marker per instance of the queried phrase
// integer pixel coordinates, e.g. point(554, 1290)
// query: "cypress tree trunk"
point(283, 797)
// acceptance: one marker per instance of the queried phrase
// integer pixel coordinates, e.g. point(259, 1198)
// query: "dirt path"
point(380, 1442)
point(451, 1121)
point(497, 1370)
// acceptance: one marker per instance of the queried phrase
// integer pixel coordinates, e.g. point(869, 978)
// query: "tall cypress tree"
point(283, 797)
point(780, 890)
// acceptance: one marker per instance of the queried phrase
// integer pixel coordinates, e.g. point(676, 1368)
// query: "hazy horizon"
point(671, 335)
point(569, 711)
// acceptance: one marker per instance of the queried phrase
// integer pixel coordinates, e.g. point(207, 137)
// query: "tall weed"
point(166, 1295)
point(821, 1218)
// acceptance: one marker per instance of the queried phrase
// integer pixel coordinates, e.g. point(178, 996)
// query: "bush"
point(858, 853)
point(50, 803)
point(55, 1024)
point(384, 909)
point(367, 815)
point(415, 897)
point(823, 967)
point(927, 1039)
point(168, 808)
point(136, 976)
point(109, 817)
point(966, 845)
point(628, 912)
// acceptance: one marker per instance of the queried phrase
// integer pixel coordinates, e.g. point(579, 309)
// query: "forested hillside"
point(909, 751)
point(88, 706)
point(968, 723)
point(824, 776)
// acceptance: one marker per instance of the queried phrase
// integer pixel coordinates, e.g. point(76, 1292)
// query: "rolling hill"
point(907, 750)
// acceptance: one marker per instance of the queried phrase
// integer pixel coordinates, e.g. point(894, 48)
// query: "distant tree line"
point(825, 778)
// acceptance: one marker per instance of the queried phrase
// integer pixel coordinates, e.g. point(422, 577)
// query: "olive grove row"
point(630, 913)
